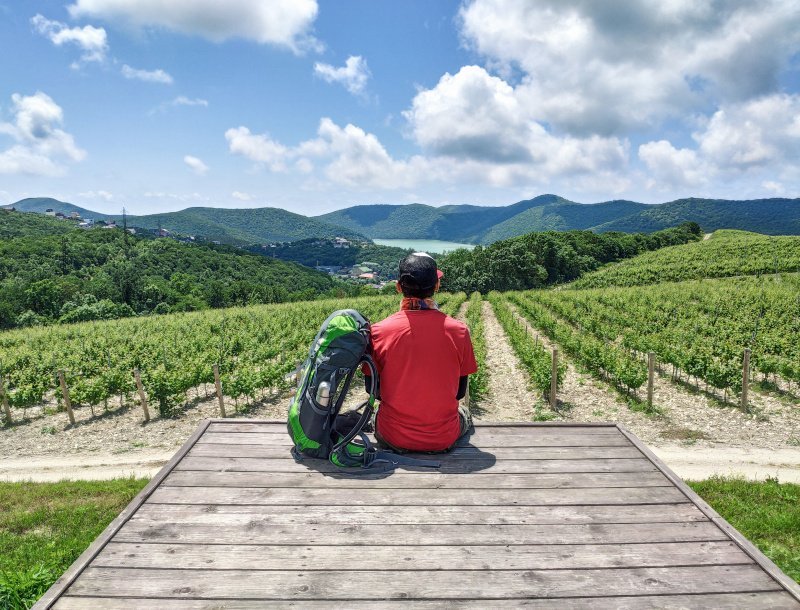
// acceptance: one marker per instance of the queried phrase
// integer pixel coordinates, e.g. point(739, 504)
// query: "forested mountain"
point(51, 271)
point(228, 226)
point(460, 223)
point(767, 216)
point(540, 259)
point(477, 224)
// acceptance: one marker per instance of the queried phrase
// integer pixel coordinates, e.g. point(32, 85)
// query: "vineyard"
point(255, 348)
point(700, 328)
point(726, 253)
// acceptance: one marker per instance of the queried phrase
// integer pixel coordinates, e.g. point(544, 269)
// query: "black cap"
point(418, 271)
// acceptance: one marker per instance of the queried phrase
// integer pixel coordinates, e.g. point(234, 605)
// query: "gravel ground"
point(694, 433)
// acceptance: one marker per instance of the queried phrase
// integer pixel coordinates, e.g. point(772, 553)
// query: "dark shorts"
point(464, 418)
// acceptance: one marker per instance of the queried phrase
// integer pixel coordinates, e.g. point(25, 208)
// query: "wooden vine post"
point(6, 407)
point(142, 396)
point(651, 371)
point(745, 376)
point(554, 380)
point(218, 385)
point(65, 393)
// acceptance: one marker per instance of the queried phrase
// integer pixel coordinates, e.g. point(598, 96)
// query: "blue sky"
point(311, 106)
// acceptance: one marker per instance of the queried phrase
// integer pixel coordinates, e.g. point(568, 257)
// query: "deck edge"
point(784, 580)
point(478, 424)
point(58, 588)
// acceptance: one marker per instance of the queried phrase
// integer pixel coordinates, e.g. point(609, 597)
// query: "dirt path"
point(693, 463)
point(686, 415)
point(694, 436)
point(508, 398)
point(581, 398)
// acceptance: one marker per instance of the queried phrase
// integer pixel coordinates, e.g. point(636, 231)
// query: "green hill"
point(228, 226)
point(21, 224)
point(485, 225)
point(539, 259)
point(767, 216)
point(69, 274)
point(725, 253)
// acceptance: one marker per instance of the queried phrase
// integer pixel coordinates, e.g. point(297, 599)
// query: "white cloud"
point(671, 167)
point(258, 148)
point(104, 195)
point(473, 116)
point(758, 139)
point(353, 76)
point(607, 67)
point(241, 196)
point(181, 100)
point(91, 40)
point(40, 143)
point(196, 165)
point(148, 76)
point(285, 23)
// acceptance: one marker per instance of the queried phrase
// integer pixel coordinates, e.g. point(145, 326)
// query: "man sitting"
point(424, 358)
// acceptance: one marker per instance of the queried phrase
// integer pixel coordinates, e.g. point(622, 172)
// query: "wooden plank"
point(414, 497)
point(452, 466)
point(414, 480)
point(254, 532)
point(480, 429)
point(486, 442)
point(367, 515)
point(66, 579)
point(466, 557)
point(792, 587)
point(202, 449)
point(776, 600)
point(456, 585)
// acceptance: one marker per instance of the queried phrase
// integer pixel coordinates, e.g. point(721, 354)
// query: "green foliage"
point(478, 382)
point(725, 253)
point(766, 513)
point(538, 362)
point(44, 527)
point(539, 259)
point(104, 274)
point(20, 224)
point(770, 216)
point(607, 360)
point(255, 347)
point(312, 252)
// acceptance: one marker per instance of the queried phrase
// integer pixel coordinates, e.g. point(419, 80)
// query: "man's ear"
point(398, 287)
point(438, 285)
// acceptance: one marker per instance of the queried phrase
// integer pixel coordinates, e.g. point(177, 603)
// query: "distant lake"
point(424, 245)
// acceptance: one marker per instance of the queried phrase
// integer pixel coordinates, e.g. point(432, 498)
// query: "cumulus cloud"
point(91, 40)
point(284, 23)
point(757, 138)
point(608, 67)
point(474, 116)
point(40, 142)
point(196, 165)
point(148, 76)
point(349, 156)
point(353, 76)
point(241, 196)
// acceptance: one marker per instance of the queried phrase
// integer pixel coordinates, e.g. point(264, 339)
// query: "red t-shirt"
point(420, 355)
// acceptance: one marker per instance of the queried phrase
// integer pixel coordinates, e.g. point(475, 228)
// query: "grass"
point(44, 527)
point(767, 513)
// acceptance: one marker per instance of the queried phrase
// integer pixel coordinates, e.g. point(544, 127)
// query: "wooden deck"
point(538, 515)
